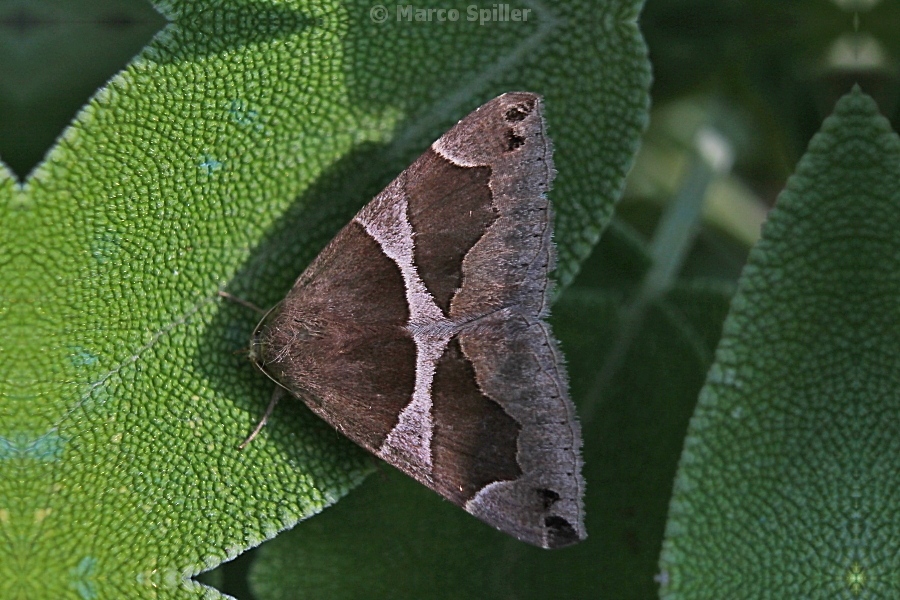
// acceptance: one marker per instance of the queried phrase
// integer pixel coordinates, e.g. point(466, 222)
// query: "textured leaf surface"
point(787, 484)
point(225, 156)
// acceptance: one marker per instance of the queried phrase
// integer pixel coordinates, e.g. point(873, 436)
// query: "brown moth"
point(419, 332)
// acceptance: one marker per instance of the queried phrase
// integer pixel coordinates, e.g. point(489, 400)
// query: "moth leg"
point(276, 396)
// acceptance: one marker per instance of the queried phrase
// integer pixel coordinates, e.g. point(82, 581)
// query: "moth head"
point(280, 330)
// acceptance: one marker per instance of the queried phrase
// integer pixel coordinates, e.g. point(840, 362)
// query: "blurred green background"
point(54, 55)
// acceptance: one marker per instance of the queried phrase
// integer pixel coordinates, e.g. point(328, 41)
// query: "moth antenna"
point(242, 302)
point(276, 396)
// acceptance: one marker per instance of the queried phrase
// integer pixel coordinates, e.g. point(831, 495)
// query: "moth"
point(419, 331)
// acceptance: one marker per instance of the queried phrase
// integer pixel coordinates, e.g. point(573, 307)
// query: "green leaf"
point(786, 482)
point(225, 156)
